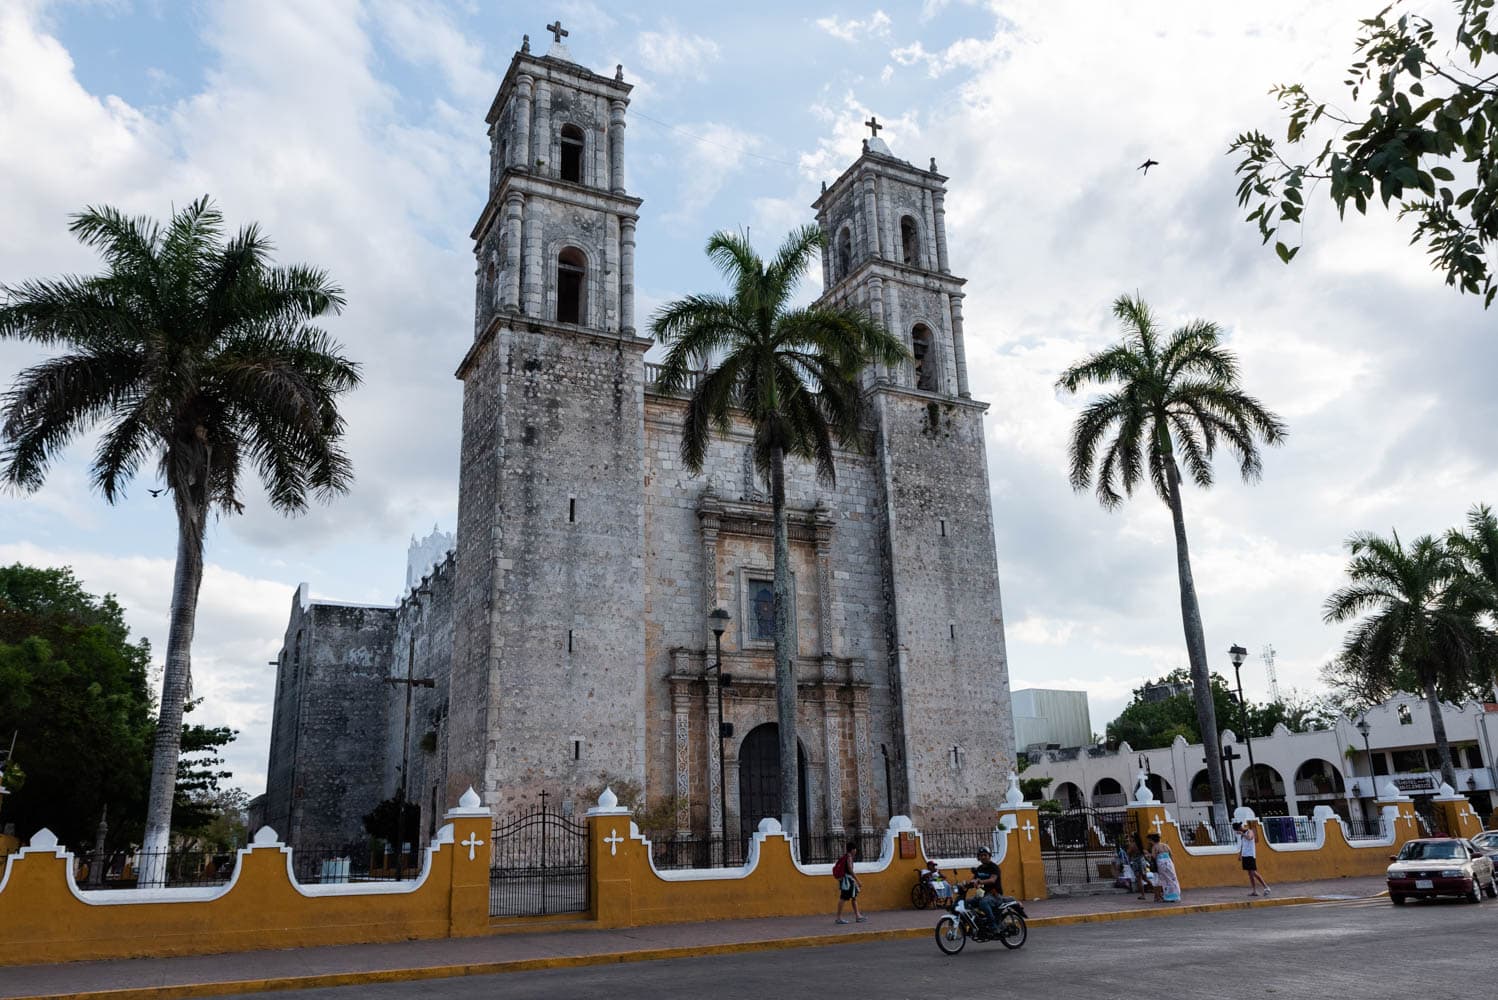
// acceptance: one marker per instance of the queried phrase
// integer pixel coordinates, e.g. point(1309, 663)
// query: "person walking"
point(1168, 889)
point(1248, 857)
point(848, 885)
point(1138, 863)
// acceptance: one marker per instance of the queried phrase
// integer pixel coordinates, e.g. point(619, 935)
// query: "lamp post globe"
point(1237, 654)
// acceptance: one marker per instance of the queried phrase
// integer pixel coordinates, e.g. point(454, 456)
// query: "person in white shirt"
point(1248, 857)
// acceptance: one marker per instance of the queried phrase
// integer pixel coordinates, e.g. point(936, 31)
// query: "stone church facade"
point(563, 643)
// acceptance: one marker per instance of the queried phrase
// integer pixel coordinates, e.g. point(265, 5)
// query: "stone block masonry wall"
point(555, 660)
point(324, 772)
point(949, 625)
point(424, 635)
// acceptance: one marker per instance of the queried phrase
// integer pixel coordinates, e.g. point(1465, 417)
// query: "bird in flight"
point(157, 493)
point(1145, 166)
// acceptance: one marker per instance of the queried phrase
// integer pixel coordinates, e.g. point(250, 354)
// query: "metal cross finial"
point(874, 126)
point(557, 31)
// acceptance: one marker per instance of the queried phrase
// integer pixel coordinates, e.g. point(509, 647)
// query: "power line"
point(709, 142)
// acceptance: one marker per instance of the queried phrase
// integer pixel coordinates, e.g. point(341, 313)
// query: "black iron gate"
point(1080, 846)
point(539, 866)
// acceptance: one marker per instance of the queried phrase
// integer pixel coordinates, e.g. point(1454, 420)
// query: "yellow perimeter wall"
point(48, 919)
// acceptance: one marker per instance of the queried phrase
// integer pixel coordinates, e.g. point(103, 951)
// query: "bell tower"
point(547, 693)
point(884, 220)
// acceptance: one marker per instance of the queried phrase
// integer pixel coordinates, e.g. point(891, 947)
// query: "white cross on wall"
point(614, 840)
point(1028, 828)
point(1158, 824)
point(472, 842)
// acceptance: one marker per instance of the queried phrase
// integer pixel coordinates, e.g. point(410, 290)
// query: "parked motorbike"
point(965, 920)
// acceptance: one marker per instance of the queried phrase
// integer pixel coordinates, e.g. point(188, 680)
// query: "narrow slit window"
point(577, 749)
point(952, 629)
point(571, 510)
point(572, 154)
point(569, 640)
point(944, 528)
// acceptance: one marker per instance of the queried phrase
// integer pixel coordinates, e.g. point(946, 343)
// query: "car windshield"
point(1445, 850)
point(1486, 841)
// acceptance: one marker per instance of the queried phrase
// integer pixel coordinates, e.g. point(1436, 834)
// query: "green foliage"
point(1168, 399)
point(381, 822)
point(1150, 725)
point(1034, 788)
point(74, 687)
point(1429, 107)
point(1417, 622)
point(199, 803)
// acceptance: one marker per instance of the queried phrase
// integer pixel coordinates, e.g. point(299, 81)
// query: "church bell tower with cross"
point(884, 222)
point(551, 501)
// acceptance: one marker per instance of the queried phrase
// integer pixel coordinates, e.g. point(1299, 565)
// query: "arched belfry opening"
point(572, 154)
point(572, 274)
point(925, 363)
point(844, 252)
point(910, 241)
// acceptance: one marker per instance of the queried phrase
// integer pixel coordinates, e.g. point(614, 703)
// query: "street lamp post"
point(1238, 654)
point(718, 620)
point(1365, 729)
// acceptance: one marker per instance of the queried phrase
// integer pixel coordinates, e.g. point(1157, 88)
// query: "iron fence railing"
point(670, 851)
point(186, 869)
point(957, 842)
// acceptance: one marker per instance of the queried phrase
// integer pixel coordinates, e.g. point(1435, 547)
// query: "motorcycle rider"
point(986, 877)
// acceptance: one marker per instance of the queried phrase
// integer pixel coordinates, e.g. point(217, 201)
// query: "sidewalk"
point(244, 972)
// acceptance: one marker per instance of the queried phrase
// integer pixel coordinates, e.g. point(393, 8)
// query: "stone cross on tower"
point(873, 125)
point(557, 31)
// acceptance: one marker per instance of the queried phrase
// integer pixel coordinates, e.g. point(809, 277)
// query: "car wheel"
point(1492, 889)
point(1475, 894)
point(1396, 900)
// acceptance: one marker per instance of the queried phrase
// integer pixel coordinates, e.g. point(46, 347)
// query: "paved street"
point(1294, 950)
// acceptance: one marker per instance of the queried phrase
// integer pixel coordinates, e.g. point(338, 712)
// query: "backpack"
point(840, 869)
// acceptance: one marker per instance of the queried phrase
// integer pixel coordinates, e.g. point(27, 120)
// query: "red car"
point(1441, 866)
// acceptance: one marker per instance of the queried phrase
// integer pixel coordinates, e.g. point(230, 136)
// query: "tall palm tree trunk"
point(1438, 730)
point(1196, 649)
point(785, 654)
point(167, 746)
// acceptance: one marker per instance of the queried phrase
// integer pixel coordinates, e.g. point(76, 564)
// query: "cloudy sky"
point(355, 135)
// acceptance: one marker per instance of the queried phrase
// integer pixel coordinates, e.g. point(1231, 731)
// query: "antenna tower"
point(1274, 682)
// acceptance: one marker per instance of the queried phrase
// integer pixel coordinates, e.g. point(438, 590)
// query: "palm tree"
point(1419, 625)
point(194, 352)
point(1168, 394)
point(791, 374)
point(1477, 548)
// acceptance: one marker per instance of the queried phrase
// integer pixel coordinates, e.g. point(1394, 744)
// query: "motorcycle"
point(964, 921)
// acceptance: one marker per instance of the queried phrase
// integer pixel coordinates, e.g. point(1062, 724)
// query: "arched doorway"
point(759, 778)
point(1263, 789)
point(1107, 794)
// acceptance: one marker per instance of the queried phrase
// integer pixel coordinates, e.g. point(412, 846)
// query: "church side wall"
point(321, 779)
point(946, 593)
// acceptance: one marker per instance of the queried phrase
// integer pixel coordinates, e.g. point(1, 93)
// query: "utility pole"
point(411, 681)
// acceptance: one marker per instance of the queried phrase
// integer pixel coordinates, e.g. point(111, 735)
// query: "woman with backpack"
point(847, 883)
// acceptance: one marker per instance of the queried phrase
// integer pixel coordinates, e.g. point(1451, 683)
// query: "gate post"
point(1456, 813)
point(469, 828)
point(1023, 825)
point(1406, 825)
point(616, 860)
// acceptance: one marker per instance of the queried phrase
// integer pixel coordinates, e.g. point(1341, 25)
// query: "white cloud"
point(239, 627)
point(673, 52)
point(965, 53)
point(422, 33)
point(876, 25)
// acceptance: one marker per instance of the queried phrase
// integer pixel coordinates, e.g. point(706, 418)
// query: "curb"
point(336, 979)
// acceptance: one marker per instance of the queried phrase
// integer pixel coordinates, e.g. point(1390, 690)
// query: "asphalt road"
point(1367, 949)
